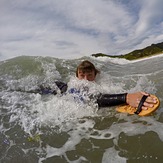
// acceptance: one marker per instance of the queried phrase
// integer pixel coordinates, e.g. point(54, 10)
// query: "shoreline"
point(147, 57)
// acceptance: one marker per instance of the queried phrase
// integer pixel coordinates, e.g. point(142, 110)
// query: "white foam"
point(112, 156)
point(120, 61)
point(36, 111)
point(76, 135)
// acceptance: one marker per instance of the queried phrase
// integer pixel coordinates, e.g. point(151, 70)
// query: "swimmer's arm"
point(105, 100)
point(47, 90)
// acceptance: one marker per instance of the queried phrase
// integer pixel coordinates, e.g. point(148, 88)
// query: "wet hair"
point(86, 66)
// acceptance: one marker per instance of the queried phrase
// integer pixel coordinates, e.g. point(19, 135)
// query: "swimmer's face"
point(86, 75)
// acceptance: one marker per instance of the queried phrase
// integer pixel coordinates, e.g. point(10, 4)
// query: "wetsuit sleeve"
point(47, 90)
point(105, 100)
point(62, 86)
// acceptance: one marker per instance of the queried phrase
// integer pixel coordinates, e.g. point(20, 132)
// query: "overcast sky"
point(76, 28)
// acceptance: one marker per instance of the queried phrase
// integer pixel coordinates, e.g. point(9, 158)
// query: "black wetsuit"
point(103, 100)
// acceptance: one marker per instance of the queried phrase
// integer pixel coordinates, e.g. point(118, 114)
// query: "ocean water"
point(58, 129)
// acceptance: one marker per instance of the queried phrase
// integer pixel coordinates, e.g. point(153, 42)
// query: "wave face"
point(48, 128)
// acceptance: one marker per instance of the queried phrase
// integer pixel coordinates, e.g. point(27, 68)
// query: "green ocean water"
point(47, 128)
